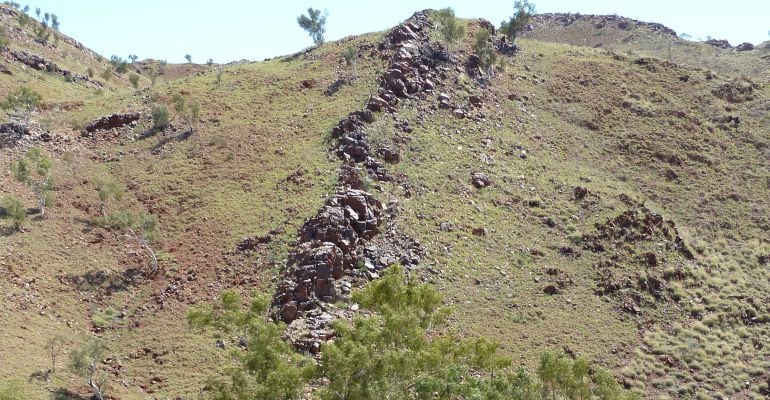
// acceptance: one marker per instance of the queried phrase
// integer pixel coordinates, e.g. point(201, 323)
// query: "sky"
point(231, 30)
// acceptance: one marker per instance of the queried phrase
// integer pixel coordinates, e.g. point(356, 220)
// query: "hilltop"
point(603, 191)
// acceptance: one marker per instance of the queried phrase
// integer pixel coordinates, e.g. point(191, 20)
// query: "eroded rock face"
point(111, 122)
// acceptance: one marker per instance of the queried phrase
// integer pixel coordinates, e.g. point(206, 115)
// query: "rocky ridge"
point(354, 236)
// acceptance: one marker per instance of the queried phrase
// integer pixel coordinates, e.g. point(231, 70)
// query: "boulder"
point(745, 46)
point(479, 180)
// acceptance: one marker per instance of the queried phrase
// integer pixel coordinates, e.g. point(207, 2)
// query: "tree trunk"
point(95, 388)
point(147, 247)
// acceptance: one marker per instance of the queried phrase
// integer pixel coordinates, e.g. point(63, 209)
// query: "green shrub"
point(118, 64)
point(523, 11)
point(160, 116)
point(485, 50)
point(15, 211)
point(451, 28)
point(134, 79)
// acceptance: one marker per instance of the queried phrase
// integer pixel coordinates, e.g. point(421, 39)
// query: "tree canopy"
point(314, 23)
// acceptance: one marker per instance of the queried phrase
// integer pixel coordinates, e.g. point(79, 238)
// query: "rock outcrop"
point(344, 244)
point(112, 121)
point(39, 63)
point(11, 133)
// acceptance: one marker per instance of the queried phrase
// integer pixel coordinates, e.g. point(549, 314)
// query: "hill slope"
point(622, 216)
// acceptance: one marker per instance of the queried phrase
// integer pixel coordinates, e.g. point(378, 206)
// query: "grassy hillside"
point(626, 221)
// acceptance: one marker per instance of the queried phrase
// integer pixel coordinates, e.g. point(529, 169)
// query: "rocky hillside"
point(591, 194)
point(628, 36)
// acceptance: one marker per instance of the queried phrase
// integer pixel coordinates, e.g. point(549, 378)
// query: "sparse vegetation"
point(85, 361)
point(188, 58)
point(522, 12)
point(15, 211)
point(119, 64)
point(391, 354)
point(34, 170)
point(351, 59)
point(189, 112)
point(451, 28)
point(4, 41)
point(314, 23)
point(485, 50)
point(160, 117)
point(11, 391)
point(134, 79)
point(141, 227)
point(109, 190)
point(22, 102)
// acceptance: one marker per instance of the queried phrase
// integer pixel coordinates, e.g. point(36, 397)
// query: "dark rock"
point(718, 43)
point(11, 133)
point(745, 46)
point(651, 259)
point(5, 70)
point(309, 83)
point(390, 155)
point(481, 231)
point(479, 180)
point(579, 192)
point(112, 121)
point(551, 289)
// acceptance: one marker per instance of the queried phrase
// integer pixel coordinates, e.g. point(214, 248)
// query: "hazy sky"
point(228, 30)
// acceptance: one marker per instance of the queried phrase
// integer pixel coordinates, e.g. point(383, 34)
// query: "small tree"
point(210, 62)
point(189, 113)
point(22, 102)
point(140, 227)
point(522, 12)
point(120, 65)
point(485, 50)
point(451, 28)
point(351, 58)
point(15, 211)
point(267, 367)
point(314, 23)
point(54, 347)
point(134, 79)
point(34, 170)
point(188, 58)
point(162, 67)
point(109, 190)
point(133, 58)
point(37, 12)
point(55, 22)
point(219, 75)
point(85, 361)
point(160, 118)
